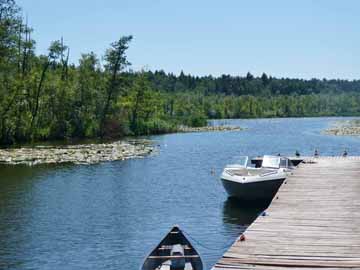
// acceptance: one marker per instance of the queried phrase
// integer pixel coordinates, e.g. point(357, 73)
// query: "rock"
point(344, 128)
point(186, 129)
point(77, 154)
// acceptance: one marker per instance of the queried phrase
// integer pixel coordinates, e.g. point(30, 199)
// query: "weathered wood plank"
point(312, 222)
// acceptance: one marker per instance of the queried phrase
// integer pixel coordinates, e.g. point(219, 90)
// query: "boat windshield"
point(239, 161)
point(286, 163)
point(271, 162)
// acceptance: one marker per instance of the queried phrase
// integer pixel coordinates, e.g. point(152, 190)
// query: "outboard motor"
point(179, 262)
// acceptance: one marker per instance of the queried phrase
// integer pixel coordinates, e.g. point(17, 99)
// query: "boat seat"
point(250, 172)
point(169, 247)
point(172, 257)
point(166, 266)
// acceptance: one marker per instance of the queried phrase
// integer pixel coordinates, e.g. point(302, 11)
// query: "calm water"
point(110, 215)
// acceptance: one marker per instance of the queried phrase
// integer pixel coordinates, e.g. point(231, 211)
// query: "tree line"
point(264, 85)
point(45, 97)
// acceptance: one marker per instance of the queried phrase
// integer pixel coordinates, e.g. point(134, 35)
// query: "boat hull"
point(252, 191)
point(160, 258)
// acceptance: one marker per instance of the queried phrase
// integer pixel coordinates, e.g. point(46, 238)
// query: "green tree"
point(116, 62)
point(89, 88)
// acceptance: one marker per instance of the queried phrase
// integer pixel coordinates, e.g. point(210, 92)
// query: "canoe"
point(174, 252)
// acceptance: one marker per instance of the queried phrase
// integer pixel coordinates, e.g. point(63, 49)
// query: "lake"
point(111, 215)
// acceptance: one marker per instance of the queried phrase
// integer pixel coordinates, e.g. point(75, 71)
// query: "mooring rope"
point(220, 201)
point(217, 179)
point(227, 246)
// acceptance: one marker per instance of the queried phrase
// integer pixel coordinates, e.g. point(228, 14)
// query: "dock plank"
point(313, 222)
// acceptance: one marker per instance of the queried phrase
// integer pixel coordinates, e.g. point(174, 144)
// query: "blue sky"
point(302, 39)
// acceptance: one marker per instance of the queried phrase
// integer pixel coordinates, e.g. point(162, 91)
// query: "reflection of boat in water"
point(174, 252)
point(249, 183)
point(242, 213)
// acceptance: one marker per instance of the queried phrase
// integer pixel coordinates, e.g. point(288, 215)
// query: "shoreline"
point(344, 128)
point(80, 154)
point(90, 153)
point(186, 129)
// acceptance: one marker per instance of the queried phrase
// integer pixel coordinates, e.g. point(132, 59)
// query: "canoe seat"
point(172, 257)
point(166, 266)
point(165, 247)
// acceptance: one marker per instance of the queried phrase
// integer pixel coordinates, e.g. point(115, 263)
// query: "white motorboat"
point(249, 183)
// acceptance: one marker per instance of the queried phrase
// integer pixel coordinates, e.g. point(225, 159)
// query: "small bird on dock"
point(316, 153)
point(297, 153)
point(345, 153)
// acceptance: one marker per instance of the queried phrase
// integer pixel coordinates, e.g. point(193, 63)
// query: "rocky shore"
point(345, 128)
point(76, 154)
point(91, 153)
point(184, 129)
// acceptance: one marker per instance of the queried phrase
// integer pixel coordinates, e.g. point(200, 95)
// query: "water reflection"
point(241, 214)
point(110, 215)
point(18, 205)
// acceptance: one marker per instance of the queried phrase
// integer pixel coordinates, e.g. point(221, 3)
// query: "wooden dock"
point(313, 222)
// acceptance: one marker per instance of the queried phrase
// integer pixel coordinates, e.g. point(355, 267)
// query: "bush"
point(115, 129)
point(197, 120)
point(154, 126)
